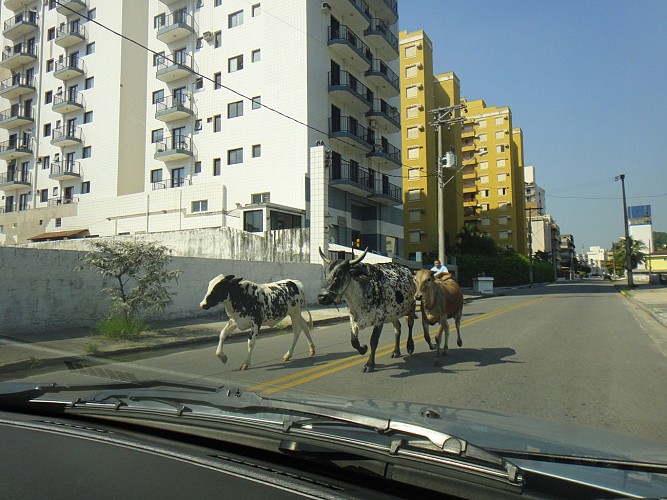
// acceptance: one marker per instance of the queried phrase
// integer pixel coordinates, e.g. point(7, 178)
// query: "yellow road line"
point(303, 376)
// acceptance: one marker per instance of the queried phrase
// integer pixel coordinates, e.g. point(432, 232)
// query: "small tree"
point(139, 272)
point(637, 254)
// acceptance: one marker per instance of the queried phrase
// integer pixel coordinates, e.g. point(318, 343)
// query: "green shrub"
point(507, 270)
point(120, 328)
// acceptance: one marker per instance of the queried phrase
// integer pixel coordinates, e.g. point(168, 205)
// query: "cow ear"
point(229, 277)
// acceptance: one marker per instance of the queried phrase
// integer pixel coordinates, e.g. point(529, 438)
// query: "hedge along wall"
point(506, 271)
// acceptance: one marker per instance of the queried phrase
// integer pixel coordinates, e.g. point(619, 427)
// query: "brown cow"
point(441, 298)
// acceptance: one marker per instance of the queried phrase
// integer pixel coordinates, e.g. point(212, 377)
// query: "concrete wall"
point(43, 288)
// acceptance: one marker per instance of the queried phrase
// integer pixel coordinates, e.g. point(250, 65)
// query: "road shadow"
point(299, 361)
point(424, 362)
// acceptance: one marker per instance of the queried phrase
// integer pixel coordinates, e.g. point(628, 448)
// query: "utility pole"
point(628, 257)
point(443, 116)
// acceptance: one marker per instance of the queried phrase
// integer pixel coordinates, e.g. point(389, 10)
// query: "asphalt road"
point(573, 351)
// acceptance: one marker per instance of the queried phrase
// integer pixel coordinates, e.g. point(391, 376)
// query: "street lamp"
point(628, 257)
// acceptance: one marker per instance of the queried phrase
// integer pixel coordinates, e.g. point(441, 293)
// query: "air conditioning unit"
point(419, 46)
point(325, 6)
point(420, 107)
point(207, 35)
point(420, 66)
point(420, 86)
point(421, 128)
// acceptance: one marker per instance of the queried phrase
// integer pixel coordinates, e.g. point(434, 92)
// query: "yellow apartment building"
point(421, 92)
point(493, 183)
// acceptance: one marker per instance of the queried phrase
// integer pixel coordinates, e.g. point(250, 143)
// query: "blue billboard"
point(639, 214)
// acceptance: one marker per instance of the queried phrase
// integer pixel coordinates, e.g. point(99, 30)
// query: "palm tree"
point(473, 241)
point(637, 255)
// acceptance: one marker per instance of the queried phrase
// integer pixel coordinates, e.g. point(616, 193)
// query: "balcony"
point(69, 68)
point(16, 86)
point(65, 170)
point(381, 38)
point(15, 180)
point(355, 12)
point(70, 35)
point(66, 136)
point(174, 107)
point(386, 9)
point(16, 116)
point(175, 26)
point(18, 55)
point(22, 24)
point(468, 146)
point(63, 200)
point(387, 116)
point(349, 132)
point(350, 178)
point(169, 2)
point(15, 5)
point(385, 154)
point(72, 101)
point(178, 66)
point(68, 7)
point(347, 89)
point(386, 193)
point(15, 148)
point(177, 147)
point(382, 76)
point(469, 186)
point(174, 182)
point(347, 45)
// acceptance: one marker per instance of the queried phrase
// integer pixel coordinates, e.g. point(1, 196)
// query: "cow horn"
point(229, 277)
point(326, 261)
point(360, 258)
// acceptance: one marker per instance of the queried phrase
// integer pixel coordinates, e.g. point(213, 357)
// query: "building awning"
point(60, 235)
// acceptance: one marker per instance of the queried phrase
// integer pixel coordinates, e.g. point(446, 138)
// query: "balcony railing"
point(176, 147)
point(15, 179)
point(350, 89)
point(66, 136)
point(389, 115)
point(62, 200)
point(15, 148)
point(350, 177)
point(387, 8)
point(18, 55)
point(387, 193)
point(174, 107)
point(70, 101)
point(175, 26)
point(16, 116)
point(347, 127)
point(20, 25)
point(65, 170)
point(384, 150)
point(382, 76)
point(355, 12)
point(174, 182)
point(380, 36)
point(350, 46)
point(70, 34)
point(17, 85)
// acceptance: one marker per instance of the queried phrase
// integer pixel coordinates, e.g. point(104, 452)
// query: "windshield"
point(415, 211)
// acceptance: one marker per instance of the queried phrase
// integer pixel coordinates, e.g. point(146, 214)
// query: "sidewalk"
point(651, 298)
point(50, 347)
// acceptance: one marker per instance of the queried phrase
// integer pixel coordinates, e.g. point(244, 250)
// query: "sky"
point(586, 81)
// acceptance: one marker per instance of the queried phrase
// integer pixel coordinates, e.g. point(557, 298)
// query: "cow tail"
point(310, 319)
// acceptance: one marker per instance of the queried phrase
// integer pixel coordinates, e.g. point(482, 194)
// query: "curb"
point(644, 307)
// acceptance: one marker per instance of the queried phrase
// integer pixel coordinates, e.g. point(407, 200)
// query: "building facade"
point(494, 192)
point(206, 121)
point(421, 92)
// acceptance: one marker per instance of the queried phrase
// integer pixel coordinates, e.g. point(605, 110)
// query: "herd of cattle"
point(375, 294)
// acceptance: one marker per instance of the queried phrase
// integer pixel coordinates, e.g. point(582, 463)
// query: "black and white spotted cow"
point(375, 294)
point(250, 305)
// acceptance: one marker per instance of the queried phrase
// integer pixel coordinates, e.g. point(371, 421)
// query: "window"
point(158, 58)
point(217, 123)
point(92, 14)
point(235, 109)
point(90, 48)
point(49, 65)
point(200, 43)
point(256, 150)
point(484, 193)
point(217, 39)
point(44, 195)
point(415, 215)
point(158, 21)
point(503, 235)
point(256, 55)
point(483, 179)
point(85, 187)
point(411, 71)
point(415, 236)
point(158, 96)
point(499, 120)
point(411, 91)
point(481, 124)
point(156, 175)
point(51, 34)
point(197, 167)
point(217, 78)
point(500, 134)
point(253, 221)
point(217, 3)
point(413, 153)
point(260, 198)
point(414, 194)
point(410, 51)
point(503, 220)
point(501, 162)
point(485, 221)
point(256, 9)
point(197, 125)
point(87, 152)
point(256, 102)
point(48, 97)
point(216, 166)
point(413, 174)
point(59, 222)
point(413, 133)
point(199, 206)
point(47, 129)
point(234, 156)
point(482, 137)
point(484, 207)
point(88, 117)
point(89, 83)
point(235, 63)
point(412, 112)
point(235, 19)
point(45, 162)
point(483, 165)
point(502, 191)
point(157, 135)
point(199, 83)
point(502, 177)
point(500, 148)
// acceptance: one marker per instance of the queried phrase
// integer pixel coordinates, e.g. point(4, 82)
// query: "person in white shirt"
point(439, 268)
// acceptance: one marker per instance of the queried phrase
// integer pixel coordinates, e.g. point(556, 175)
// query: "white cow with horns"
point(375, 294)
point(250, 305)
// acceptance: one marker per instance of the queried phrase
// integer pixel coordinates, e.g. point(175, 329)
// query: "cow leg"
point(306, 331)
point(410, 344)
point(296, 331)
point(457, 321)
point(397, 339)
point(445, 325)
point(254, 330)
point(229, 328)
point(375, 337)
point(436, 347)
point(427, 332)
point(355, 341)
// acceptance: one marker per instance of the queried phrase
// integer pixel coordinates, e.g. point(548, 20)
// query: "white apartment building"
point(203, 115)
point(535, 195)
